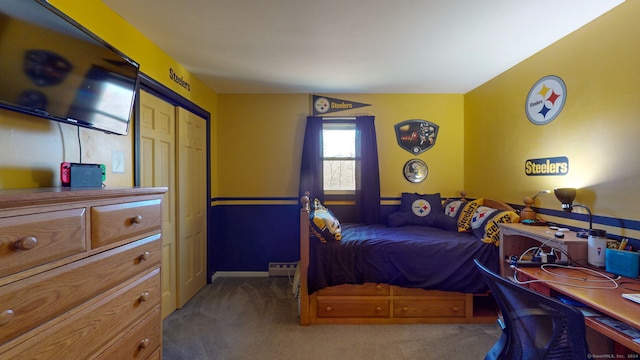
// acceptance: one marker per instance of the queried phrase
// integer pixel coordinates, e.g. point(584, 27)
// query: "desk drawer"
point(114, 223)
point(30, 240)
point(26, 304)
point(95, 323)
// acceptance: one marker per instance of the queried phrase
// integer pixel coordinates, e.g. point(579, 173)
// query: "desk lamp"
point(597, 239)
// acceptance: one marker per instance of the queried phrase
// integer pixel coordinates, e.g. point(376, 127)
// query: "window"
point(339, 157)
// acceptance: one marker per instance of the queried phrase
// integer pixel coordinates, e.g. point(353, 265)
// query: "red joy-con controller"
point(65, 174)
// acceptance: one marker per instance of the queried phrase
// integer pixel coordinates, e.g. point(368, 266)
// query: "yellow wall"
point(261, 138)
point(33, 148)
point(483, 141)
point(597, 129)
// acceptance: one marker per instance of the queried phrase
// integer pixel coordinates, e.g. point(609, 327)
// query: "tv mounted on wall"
point(52, 67)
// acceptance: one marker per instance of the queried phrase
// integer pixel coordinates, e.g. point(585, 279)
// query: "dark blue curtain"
point(367, 197)
point(311, 167)
point(367, 172)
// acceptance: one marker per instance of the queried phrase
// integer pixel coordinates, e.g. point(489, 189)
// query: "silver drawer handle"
point(26, 243)
point(136, 219)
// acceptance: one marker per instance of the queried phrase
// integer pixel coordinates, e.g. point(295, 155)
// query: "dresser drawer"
point(98, 321)
point(113, 223)
point(26, 304)
point(142, 342)
point(155, 356)
point(429, 308)
point(31, 240)
point(367, 289)
point(353, 308)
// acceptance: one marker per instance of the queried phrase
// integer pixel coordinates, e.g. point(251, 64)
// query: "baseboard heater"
point(282, 268)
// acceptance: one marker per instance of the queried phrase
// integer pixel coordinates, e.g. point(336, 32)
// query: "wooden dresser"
point(80, 273)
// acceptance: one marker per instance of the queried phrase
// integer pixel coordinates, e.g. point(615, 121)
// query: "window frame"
point(346, 123)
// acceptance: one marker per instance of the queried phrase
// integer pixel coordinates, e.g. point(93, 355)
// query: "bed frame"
point(373, 303)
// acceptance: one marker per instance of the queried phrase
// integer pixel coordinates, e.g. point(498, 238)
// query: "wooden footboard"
point(382, 303)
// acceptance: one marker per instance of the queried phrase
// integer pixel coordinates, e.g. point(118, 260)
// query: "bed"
point(410, 270)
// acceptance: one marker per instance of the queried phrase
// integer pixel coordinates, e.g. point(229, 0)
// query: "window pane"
point(339, 143)
point(339, 152)
point(339, 175)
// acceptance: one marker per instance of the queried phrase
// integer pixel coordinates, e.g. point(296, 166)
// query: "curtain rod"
point(338, 118)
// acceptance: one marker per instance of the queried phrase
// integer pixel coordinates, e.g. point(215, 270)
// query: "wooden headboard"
point(496, 204)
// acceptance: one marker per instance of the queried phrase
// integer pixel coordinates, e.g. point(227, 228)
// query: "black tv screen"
point(52, 67)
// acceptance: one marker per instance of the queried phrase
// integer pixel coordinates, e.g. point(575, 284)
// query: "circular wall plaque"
point(545, 100)
point(415, 170)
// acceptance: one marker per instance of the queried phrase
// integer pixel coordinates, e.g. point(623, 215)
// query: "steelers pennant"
point(324, 105)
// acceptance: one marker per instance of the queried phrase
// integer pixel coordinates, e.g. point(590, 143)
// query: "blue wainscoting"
point(246, 237)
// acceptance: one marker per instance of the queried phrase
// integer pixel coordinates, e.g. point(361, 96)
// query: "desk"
point(516, 238)
point(606, 301)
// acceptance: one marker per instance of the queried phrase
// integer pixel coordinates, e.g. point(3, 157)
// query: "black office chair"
point(534, 326)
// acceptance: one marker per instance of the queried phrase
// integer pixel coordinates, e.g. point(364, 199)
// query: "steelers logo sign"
point(545, 100)
point(421, 208)
point(322, 105)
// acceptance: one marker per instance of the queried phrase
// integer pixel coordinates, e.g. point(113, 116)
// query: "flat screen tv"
point(52, 67)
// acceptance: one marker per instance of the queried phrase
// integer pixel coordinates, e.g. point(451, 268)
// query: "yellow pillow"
point(485, 223)
point(465, 214)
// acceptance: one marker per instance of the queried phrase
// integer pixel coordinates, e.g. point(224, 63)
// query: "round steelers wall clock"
point(545, 100)
point(415, 170)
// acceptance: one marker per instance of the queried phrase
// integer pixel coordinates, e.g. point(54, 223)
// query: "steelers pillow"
point(452, 207)
point(484, 224)
point(323, 225)
point(416, 209)
point(463, 211)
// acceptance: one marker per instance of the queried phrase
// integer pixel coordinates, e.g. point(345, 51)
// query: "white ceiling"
point(353, 46)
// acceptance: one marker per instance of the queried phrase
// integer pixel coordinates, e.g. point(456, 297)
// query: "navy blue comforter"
point(407, 256)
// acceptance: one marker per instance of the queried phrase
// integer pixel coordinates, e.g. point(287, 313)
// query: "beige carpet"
point(256, 318)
